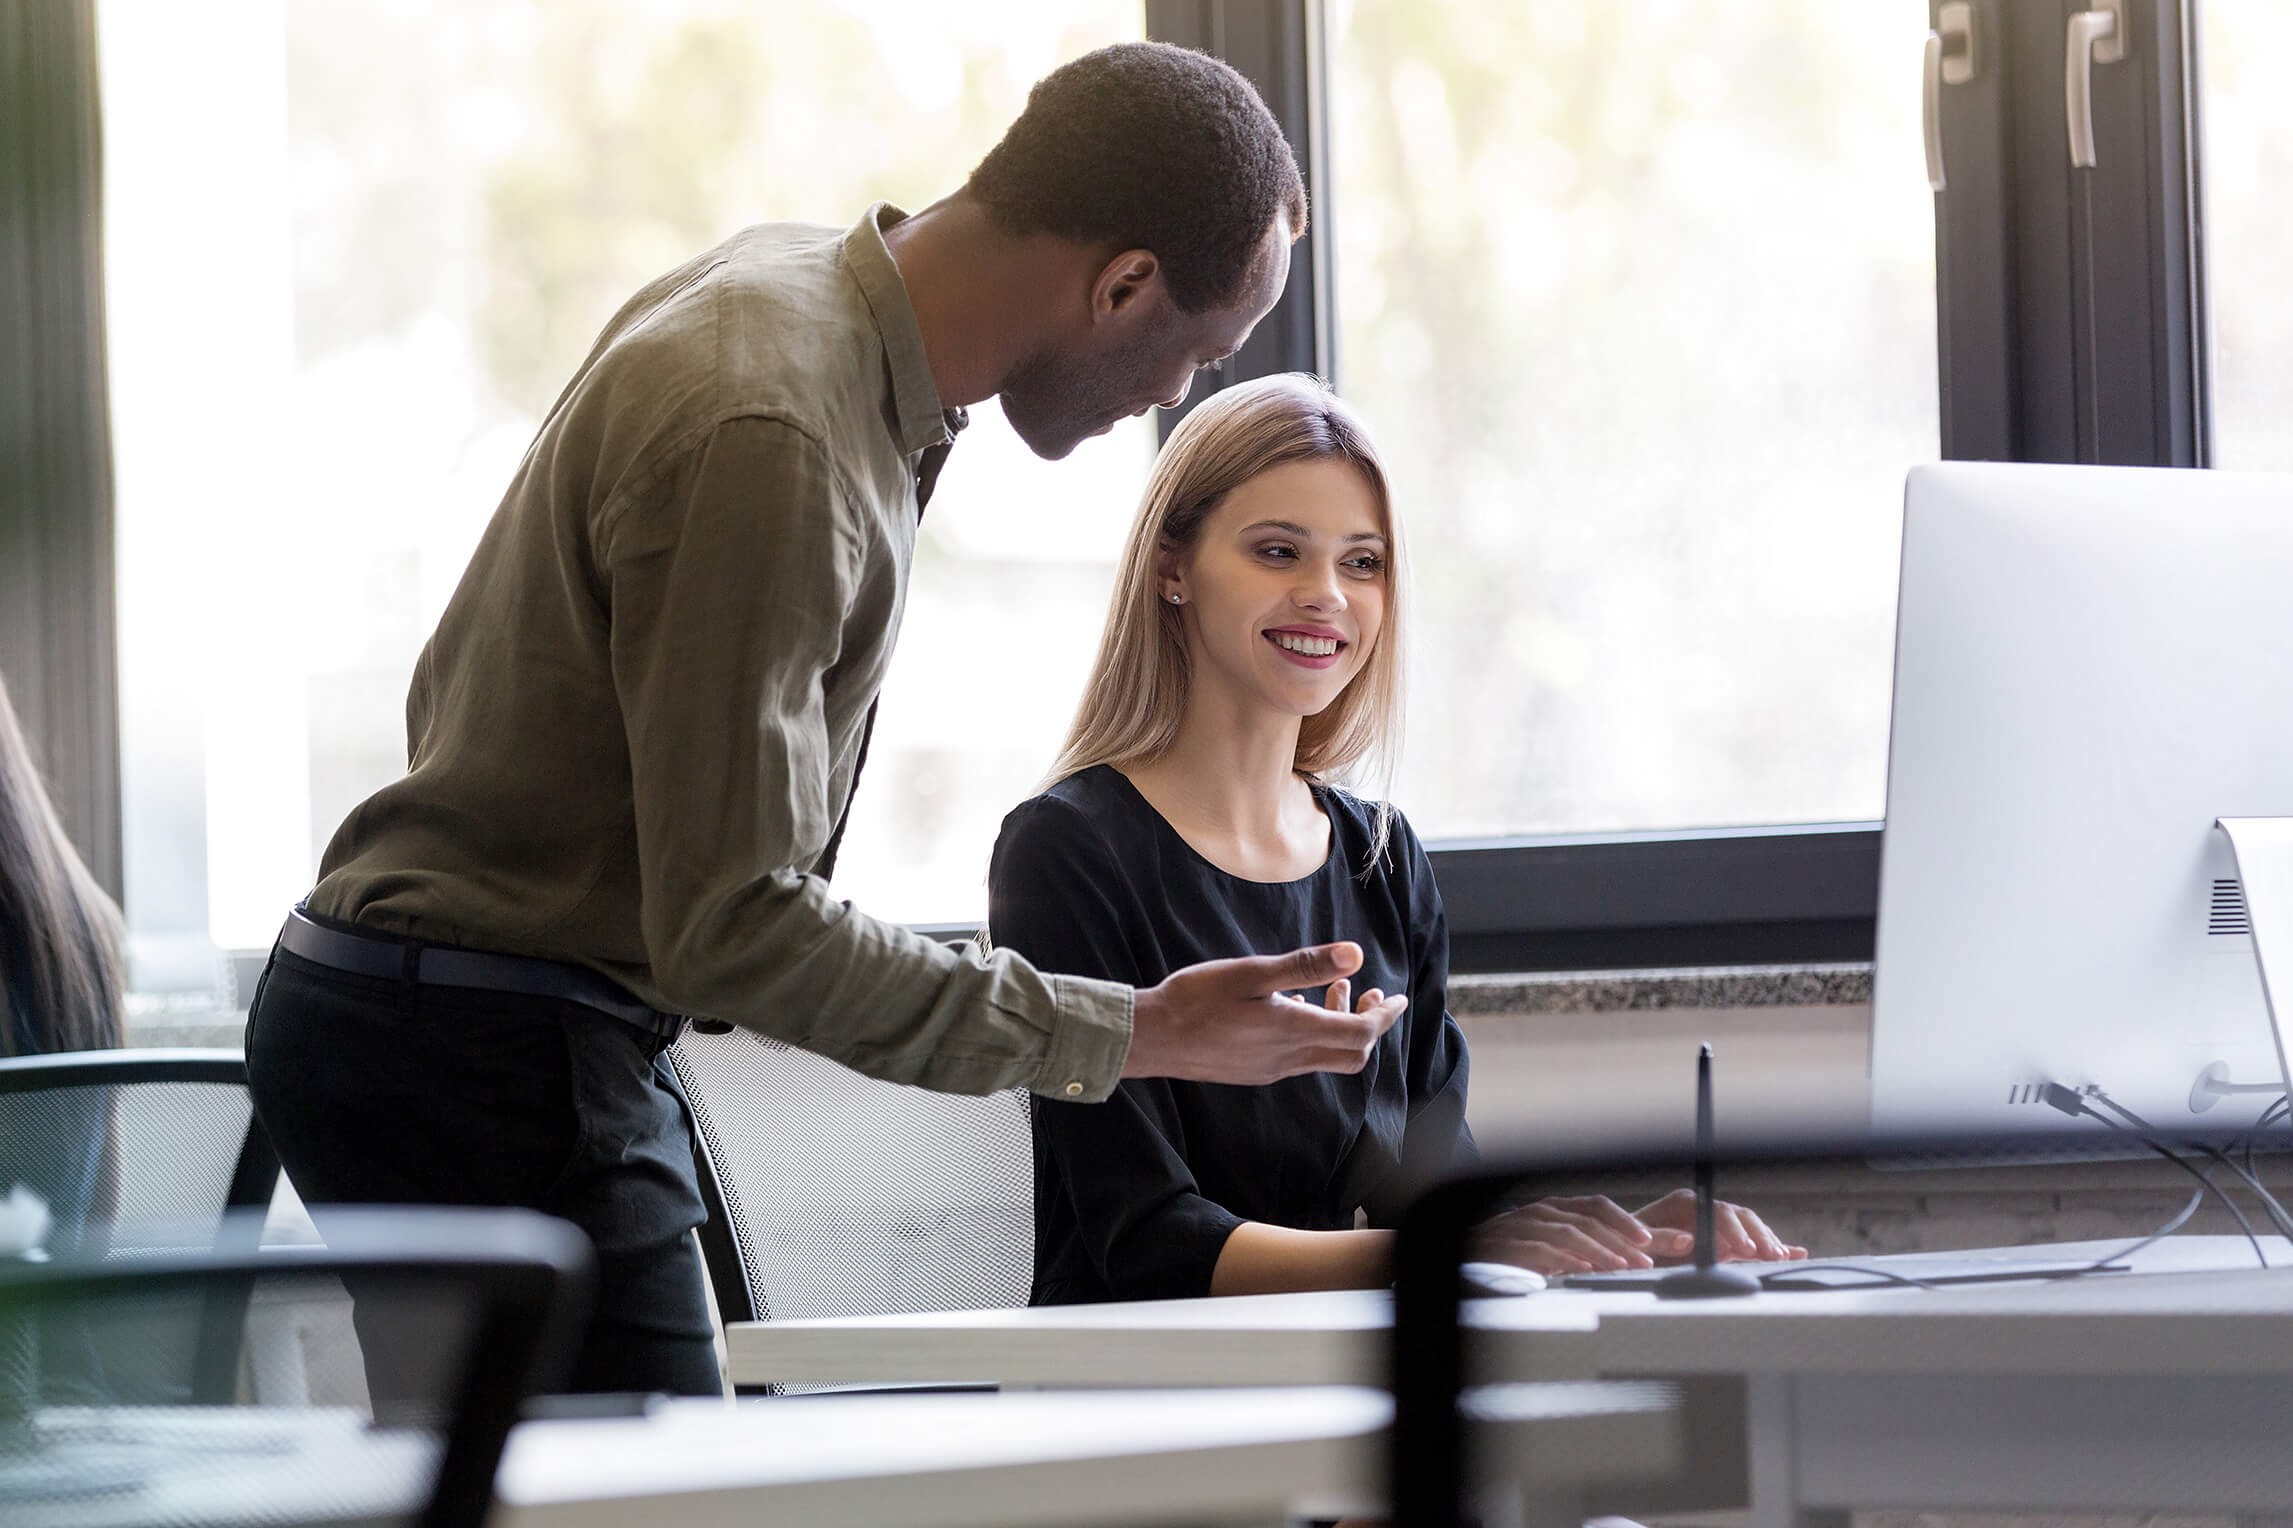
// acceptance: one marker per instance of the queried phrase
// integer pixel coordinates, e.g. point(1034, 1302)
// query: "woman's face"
point(1285, 588)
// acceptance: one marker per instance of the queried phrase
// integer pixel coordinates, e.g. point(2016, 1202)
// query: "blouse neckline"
point(1321, 804)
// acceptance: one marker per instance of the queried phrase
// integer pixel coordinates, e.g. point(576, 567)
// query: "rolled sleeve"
point(1091, 1039)
point(731, 590)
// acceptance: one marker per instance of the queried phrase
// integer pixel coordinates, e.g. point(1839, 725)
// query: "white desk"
point(1335, 1338)
point(969, 1461)
point(1317, 1339)
point(2169, 1390)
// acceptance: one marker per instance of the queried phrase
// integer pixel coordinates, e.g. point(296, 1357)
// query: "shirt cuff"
point(1090, 1039)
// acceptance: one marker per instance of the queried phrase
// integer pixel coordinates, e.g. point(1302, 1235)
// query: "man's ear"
point(1126, 285)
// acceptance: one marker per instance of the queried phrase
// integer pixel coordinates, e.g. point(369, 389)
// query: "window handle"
point(2097, 36)
point(1950, 61)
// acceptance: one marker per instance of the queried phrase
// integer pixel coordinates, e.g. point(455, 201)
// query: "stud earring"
point(1178, 599)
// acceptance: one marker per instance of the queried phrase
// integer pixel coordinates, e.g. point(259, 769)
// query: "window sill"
point(1842, 985)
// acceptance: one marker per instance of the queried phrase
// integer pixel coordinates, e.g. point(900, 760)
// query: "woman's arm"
point(1259, 1259)
point(1586, 1234)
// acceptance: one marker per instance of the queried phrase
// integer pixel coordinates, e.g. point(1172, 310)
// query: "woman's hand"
point(1587, 1233)
point(1742, 1235)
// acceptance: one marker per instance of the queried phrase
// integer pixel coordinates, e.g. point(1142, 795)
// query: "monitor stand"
point(2262, 849)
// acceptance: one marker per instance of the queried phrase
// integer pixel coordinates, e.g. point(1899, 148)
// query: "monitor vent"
point(2227, 913)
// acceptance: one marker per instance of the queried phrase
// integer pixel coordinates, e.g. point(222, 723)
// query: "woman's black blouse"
point(1135, 1197)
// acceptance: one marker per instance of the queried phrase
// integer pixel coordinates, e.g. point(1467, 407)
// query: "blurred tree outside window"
point(2248, 218)
point(1639, 301)
point(353, 252)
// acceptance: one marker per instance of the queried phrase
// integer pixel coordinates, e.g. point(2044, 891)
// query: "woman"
point(1252, 653)
point(60, 990)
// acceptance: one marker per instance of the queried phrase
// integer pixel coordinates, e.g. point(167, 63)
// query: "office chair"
point(478, 1309)
point(834, 1194)
point(138, 1152)
point(135, 1144)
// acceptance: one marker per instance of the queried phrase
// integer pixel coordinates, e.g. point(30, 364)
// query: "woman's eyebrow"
point(1293, 528)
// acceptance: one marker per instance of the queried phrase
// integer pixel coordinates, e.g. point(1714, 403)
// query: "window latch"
point(1950, 61)
point(2097, 36)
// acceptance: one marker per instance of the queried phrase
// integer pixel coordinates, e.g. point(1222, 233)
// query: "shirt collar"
point(921, 421)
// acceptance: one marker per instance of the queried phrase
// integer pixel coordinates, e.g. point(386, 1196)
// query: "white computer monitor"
point(2092, 664)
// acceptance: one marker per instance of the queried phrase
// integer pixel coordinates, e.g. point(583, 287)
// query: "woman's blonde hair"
point(1137, 691)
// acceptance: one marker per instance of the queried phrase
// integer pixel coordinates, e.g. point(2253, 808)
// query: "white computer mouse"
point(1487, 1281)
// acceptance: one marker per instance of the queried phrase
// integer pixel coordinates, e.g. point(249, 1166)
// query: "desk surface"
point(2188, 1292)
point(971, 1460)
point(955, 1461)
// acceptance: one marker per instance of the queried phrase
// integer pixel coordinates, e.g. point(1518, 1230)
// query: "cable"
point(2073, 1103)
point(1781, 1278)
point(2277, 1214)
point(2280, 1110)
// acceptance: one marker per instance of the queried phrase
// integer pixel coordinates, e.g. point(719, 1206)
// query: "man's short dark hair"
point(1153, 147)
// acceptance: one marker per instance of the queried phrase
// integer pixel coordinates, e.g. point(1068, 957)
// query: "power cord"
point(2276, 1113)
point(1783, 1278)
point(2079, 1104)
point(2073, 1102)
point(2277, 1214)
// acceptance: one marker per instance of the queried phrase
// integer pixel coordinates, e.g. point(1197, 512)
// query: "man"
point(634, 734)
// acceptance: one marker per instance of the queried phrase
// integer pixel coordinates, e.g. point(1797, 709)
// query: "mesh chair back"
point(134, 1151)
point(834, 1194)
point(473, 1310)
point(136, 1154)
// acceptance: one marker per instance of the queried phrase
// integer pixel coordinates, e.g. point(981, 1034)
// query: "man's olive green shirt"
point(637, 723)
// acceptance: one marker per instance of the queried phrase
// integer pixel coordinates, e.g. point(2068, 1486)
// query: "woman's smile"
point(1311, 647)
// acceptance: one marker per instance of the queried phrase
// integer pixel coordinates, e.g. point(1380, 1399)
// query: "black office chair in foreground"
point(468, 1312)
point(834, 1194)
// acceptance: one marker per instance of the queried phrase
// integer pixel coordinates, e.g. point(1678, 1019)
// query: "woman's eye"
point(1278, 550)
point(1368, 562)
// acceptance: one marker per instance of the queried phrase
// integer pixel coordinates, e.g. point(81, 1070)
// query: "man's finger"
point(1315, 966)
point(1369, 1000)
point(1339, 996)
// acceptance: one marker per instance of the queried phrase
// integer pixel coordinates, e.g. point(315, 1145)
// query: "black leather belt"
point(380, 955)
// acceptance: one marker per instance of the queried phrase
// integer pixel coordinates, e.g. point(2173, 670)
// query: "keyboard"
point(1875, 1272)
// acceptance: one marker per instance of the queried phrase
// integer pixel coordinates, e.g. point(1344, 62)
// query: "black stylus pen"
point(1704, 1277)
point(1706, 1243)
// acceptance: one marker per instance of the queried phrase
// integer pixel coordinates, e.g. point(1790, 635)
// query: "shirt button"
point(1074, 1090)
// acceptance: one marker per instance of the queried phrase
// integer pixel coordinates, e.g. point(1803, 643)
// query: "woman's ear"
point(1166, 577)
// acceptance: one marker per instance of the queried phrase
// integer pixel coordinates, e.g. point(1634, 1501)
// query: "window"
point(2243, 46)
point(1639, 301)
point(1643, 300)
point(353, 252)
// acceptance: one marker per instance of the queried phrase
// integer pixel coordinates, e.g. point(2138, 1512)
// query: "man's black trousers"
point(388, 1092)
